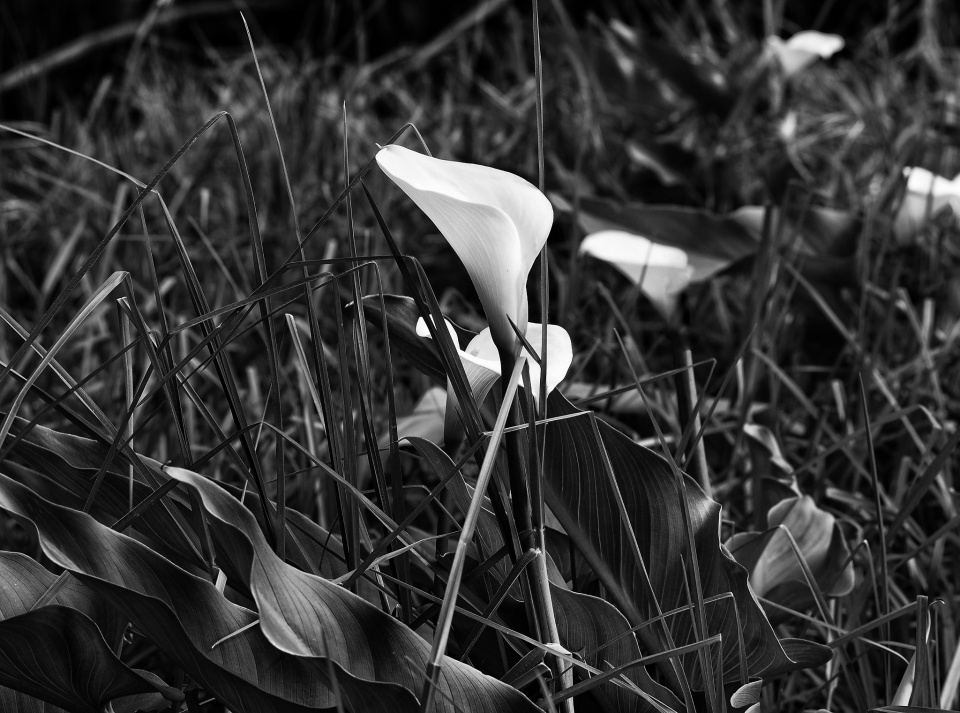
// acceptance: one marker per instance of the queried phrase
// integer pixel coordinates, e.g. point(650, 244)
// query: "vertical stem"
point(448, 607)
point(520, 498)
point(687, 395)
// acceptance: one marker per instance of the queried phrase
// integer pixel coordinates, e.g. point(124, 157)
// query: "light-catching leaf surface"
point(56, 656)
point(309, 616)
point(185, 616)
point(579, 492)
point(586, 625)
point(775, 572)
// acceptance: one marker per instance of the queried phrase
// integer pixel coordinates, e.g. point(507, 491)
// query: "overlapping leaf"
point(309, 616)
point(61, 467)
point(57, 653)
point(186, 616)
point(62, 470)
point(581, 495)
point(585, 624)
point(775, 570)
point(595, 629)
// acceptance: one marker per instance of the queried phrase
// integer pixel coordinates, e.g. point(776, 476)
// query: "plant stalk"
point(448, 607)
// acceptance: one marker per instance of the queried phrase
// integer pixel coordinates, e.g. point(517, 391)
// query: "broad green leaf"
point(62, 470)
point(595, 629)
point(584, 623)
point(309, 616)
point(38, 646)
point(69, 465)
point(215, 641)
point(23, 581)
point(775, 572)
point(57, 654)
point(580, 493)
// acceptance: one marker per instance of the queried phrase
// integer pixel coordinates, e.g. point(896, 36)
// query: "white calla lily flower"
point(803, 49)
point(927, 194)
point(496, 222)
point(481, 358)
point(661, 272)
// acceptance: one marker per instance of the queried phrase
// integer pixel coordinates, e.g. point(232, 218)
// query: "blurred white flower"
point(803, 49)
point(495, 221)
point(927, 194)
point(661, 271)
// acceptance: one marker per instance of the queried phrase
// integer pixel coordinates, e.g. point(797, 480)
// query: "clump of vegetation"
point(620, 378)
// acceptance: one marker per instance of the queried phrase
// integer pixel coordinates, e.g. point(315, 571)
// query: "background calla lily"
point(803, 49)
point(927, 194)
point(662, 272)
point(496, 222)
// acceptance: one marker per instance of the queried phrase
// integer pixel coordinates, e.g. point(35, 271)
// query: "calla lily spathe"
point(661, 271)
point(927, 194)
point(496, 222)
point(481, 358)
point(803, 49)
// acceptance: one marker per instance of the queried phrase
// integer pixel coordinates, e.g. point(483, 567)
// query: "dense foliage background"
point(826, 341)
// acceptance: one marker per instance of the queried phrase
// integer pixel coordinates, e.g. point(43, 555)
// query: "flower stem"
point(528, 519)
point(445, 619)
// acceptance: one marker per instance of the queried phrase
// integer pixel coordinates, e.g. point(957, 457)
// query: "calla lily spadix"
point(496, 223)
point(803, 49)
point(481, 358)
point(927, 194)
point(662, 272)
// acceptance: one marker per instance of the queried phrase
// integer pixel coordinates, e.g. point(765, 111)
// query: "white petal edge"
point(803, 49)
point(496, 222)
point(663, 269)
point(926, 195)
point(821, 44)
point(482, 352)
point(481, 358)
point(424, 331)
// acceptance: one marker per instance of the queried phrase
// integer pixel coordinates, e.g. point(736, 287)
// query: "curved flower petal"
point(481, 358)
point(663, 269)
point(803, 49)
point(927, 194)
point(482, 353)
point(424, 331)
point(496, 222)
